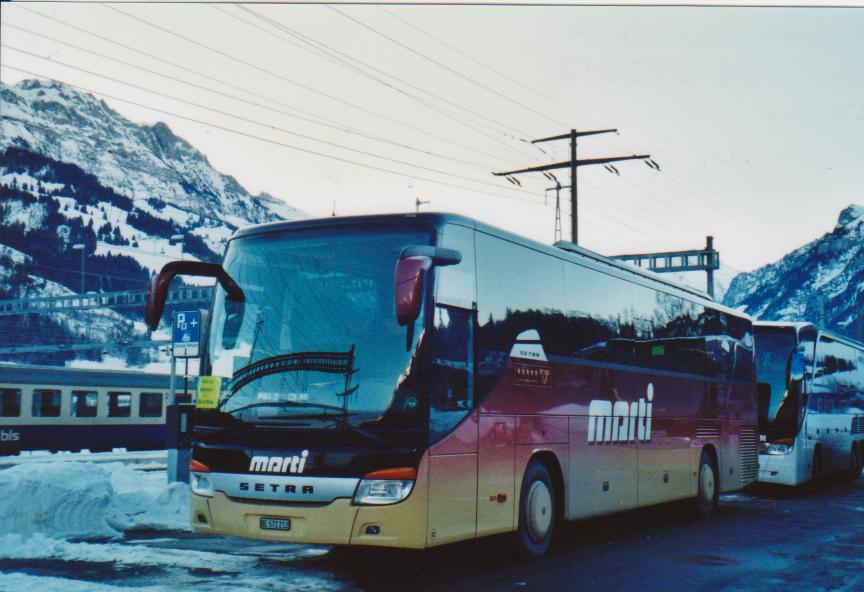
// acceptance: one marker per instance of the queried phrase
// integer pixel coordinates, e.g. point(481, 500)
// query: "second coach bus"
point(415, 380)
point(811, 403)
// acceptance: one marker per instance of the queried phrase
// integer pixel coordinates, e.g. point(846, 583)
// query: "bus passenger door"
point(496, 493)
point(452, 428)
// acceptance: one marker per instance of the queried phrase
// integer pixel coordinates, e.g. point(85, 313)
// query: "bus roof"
point(801, 325)
point(561, 249)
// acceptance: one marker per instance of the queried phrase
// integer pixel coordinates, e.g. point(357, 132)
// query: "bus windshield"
point(315, 341)
point(778, 408)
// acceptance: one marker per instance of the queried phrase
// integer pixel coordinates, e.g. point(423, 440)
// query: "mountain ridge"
point(821, 281)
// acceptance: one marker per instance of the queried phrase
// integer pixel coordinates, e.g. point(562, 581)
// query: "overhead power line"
point(278, 76)
point(254, 121)
point(314, 121)
point(312, 116)
point(273, 142)
point(352, 63)
point(442, 66)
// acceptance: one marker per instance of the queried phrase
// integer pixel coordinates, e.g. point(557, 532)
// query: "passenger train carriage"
point(46, 408)
point(414, 380)
point(811, 403)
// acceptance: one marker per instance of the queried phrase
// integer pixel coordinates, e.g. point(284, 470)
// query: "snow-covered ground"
point(82, 526)
point(84, 500)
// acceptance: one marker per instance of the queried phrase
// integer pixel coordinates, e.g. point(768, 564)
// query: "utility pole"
point(418, 202)
point(573, 164)
point(557, 189)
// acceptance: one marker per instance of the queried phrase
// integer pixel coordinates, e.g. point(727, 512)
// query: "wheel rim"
point(706, 484)
point(539, 510)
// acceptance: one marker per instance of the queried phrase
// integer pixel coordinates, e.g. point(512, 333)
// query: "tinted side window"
point(119, 404)
point(150, 405)
point(452, 395)
point(614, 320)
point(10, 402)
point(84, 403)
point(46, 403)
point(456, 284)
point(518, 289)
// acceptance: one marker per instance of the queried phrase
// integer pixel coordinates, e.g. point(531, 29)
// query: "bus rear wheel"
point(708, 490)
point(536, 512)
point(857, 462)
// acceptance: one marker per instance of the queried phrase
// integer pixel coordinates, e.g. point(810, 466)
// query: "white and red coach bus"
point(494, 385)
point(811, 403)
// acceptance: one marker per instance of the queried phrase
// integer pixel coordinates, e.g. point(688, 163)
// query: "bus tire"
point(708, 486)
point(857, 461)
point(537, 515)
point(817, 471)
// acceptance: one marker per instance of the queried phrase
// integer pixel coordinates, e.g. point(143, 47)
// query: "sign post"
point(185, 343)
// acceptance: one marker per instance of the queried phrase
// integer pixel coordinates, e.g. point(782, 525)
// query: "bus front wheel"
point(536, 512)
point(708, 490)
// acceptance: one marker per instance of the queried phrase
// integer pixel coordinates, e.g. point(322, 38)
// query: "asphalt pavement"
point(759, 540)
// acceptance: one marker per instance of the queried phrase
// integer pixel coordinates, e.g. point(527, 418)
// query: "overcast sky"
point(755, 116)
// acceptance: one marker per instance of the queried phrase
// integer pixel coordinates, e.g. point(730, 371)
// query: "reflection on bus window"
point(46, 403)
point(119, 404)
point(84, 403)
point(452, 369)
point(10, 402)
point(150, 405)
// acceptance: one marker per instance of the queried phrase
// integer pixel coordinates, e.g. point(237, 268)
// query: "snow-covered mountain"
point(823, 281)
point(72, 170)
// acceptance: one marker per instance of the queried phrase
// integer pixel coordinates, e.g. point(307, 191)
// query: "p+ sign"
point(186, 333)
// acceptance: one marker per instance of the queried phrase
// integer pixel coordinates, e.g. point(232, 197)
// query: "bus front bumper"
point(781, 469)
point(337, 523)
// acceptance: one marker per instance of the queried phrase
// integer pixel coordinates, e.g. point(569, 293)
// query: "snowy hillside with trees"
point(75, 172)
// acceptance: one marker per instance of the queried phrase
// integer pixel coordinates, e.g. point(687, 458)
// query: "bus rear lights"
point(780, 447)
point(387, 486)
point(200, 481)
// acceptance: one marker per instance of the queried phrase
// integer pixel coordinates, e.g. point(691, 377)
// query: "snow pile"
point(86, 500)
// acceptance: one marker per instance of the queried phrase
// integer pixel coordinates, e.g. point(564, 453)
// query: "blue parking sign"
point(186, 333)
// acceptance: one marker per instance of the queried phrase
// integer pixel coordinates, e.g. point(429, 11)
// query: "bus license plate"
point(275, 524)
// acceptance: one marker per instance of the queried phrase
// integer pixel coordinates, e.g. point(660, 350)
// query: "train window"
point(46, 403)
point(150, 405)
point(84, 403)
point(10, 402)
point(119, 404)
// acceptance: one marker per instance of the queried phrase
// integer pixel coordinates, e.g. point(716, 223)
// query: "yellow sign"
point(209, 388)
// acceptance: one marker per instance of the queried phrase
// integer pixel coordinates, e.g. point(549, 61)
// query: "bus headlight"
point(385, 487)
point(779, 448)
point(200, 481)
point(201, 484)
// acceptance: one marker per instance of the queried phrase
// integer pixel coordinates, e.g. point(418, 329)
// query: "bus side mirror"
point(414, 262)
point(157, 290)
point(796, 368)
point(410, 277)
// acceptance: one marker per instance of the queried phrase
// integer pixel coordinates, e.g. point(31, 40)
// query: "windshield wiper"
point(311, 361)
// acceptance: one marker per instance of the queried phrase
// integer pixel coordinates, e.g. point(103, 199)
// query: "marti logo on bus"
point(279, 464)
point(9, 436)
point(620, 421)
